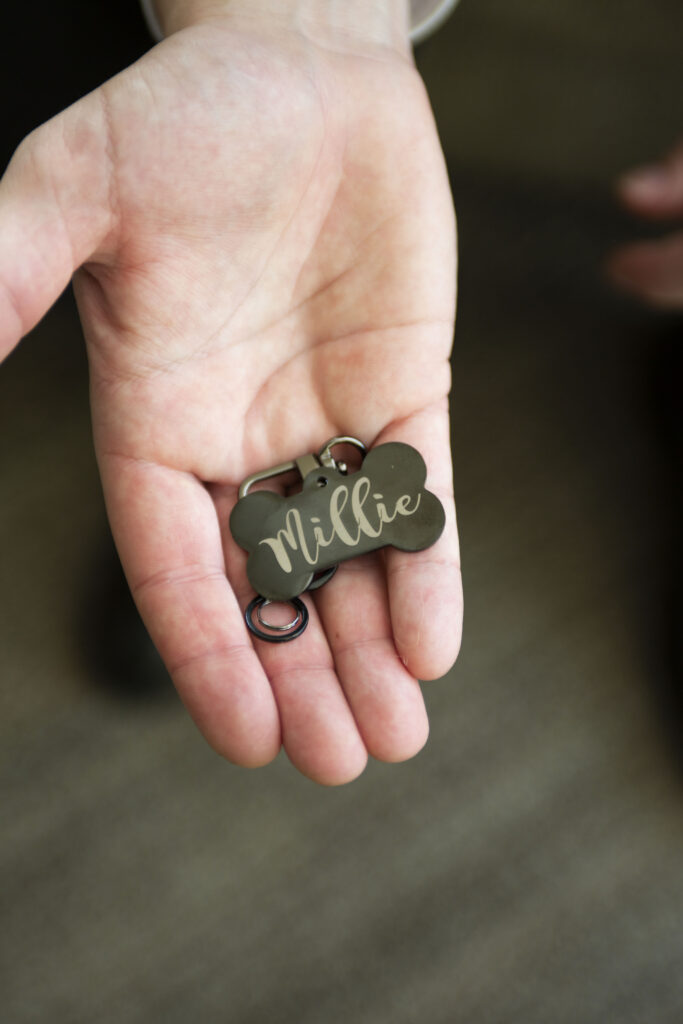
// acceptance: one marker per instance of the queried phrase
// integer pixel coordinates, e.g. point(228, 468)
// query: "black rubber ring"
point(276, 638)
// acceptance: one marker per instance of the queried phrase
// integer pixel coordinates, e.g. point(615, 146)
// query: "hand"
point(654, 270)
point(266, 240)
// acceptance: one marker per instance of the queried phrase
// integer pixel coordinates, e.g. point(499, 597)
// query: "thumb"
point(55, 211)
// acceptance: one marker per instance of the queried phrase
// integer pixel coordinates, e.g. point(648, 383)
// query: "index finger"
point(166, 529)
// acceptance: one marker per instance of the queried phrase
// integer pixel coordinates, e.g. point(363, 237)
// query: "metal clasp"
point(305, 464)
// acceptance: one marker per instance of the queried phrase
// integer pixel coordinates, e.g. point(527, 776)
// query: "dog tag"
point(336, 516)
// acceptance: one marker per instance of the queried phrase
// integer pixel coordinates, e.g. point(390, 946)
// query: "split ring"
point(272, 637)
point(271, 625)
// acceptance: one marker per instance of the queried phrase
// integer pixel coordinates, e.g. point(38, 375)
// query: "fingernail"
point(647, 182)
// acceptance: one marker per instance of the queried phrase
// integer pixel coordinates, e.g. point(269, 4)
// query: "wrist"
point(382, 22)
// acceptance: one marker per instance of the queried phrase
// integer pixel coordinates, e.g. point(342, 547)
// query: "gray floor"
point(527, 867)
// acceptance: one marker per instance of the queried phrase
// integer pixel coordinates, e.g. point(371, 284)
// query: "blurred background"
point(528, 865)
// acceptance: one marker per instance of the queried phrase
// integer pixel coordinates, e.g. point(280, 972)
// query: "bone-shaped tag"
point(336, 517)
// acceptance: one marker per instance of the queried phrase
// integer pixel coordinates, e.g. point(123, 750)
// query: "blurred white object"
point(425, 17)
point(428, 15)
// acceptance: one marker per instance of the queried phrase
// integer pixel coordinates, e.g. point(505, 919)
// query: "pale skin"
point(260, 225)
point(653, 270)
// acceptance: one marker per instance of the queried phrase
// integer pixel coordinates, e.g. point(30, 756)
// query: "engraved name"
point(351, 516)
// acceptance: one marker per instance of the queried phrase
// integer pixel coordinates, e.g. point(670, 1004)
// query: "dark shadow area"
point(605, 376)
point(665, 617)
point(118, 654)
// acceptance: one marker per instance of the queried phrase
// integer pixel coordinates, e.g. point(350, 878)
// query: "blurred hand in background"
point(653, 270)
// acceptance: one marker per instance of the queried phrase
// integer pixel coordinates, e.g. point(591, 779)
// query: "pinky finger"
point(425, 588)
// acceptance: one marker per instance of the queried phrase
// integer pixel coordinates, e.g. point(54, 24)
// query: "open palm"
point(266, 243)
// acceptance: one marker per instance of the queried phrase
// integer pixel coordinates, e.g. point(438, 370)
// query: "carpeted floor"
point(527, 867)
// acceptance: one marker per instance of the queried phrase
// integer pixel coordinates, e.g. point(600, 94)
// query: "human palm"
point(266, 243)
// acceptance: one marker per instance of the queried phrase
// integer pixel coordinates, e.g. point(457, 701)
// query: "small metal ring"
point(273, 638)
point(271, 625)
point(325, 452)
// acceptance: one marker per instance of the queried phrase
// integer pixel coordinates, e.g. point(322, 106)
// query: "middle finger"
point(319, 732)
